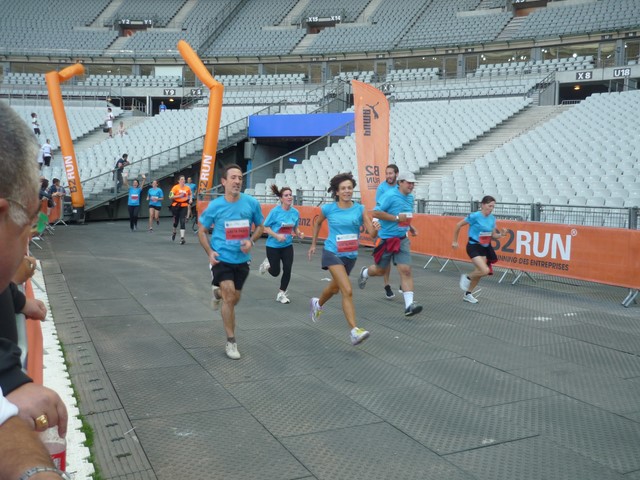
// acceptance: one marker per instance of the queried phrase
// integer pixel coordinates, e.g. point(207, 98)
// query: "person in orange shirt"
point(181, 197)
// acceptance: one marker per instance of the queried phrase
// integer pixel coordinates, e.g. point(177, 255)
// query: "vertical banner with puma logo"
point(216, 89)
point(372, 139)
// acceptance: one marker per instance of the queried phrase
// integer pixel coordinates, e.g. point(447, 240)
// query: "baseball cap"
point(407, 177)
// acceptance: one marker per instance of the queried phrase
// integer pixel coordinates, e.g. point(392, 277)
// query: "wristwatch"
point(32, 471)
point(397, 218)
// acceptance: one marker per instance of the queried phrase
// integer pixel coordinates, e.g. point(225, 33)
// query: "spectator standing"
point(228, 251)
point(119, 169)
point(162, 108)
point(109, 122)
point(34, 124)
point(46, 153)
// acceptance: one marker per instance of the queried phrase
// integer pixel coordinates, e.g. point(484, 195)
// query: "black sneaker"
point(388, 292)
point(182, 241)
point(400, 289)
point(173, 237)
point(412, 309)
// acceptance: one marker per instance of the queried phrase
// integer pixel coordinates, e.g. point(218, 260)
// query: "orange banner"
point(216, 89)
point(53, 80)
point(372, 139)
point(604, 255)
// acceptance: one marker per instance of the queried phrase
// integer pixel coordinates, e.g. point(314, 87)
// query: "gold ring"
point(42, 422)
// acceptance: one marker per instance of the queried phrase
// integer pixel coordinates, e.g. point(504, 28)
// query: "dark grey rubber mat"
point(144, 475)
point(109, 307)
point(299, 340)
point(129, 353)
point(72, 332)
point(477, 383)
point(227, 444)
point(376, 452)
point(592, 387)
point(196, 334)
point(535, 458)
point(96, 393)
point(258, 362)
point(299, 405)
point(441, 421)
point(606, 360)
point(602, 436)
point(185, 389)
point(622, 341)
point(117, 447)
point(367, 374)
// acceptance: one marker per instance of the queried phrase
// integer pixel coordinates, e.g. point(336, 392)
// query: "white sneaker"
point(232, 351)
point(282, 297)
point(358, 335)
point(316, 309)
point(465, 283)
point(264, 266)
point(470, 298)
point(215, 299)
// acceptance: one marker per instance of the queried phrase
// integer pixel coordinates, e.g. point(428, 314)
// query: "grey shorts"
point(330, 258)
point(403, 257)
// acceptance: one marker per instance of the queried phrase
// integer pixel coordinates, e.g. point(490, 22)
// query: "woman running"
point(134, 200)
point(181, 196)
point(280, 226)
point(154, 197)
point(341, 249)
point(482, 229)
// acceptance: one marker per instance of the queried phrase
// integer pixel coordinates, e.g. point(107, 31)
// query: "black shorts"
point(477, 250)
point(330, 258)
point(36, 131)
point(47, 160)
point(155, 207)
point(238, 272)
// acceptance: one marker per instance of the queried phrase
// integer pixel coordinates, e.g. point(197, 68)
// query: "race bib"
point(484, 237)
point(154, 199)
point(407, 222)
point(286, 228)
point(135, 196)
point(236, 230)
point(347, 242)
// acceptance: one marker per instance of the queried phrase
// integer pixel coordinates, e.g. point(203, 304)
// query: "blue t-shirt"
point(282, 221)
point(134, 196)
point(231, 224)
point(193, 188)
point(155, 192)
point(395, 203)
point(480, 226)
point(344, 228)
point(383, 188)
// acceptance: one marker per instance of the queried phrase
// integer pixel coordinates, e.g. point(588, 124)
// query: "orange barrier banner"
point(372, 139)
point(54, 79)
point(604, 255)
point(35, 353)
point(216, 89)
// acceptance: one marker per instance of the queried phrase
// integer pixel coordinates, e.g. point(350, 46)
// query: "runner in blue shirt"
point(390, 183)
point(395, 212)
point(482, 229)
point(194, 189)
point(341, 249)
point(154, 197)
point(133, 201)
point(280, 226)
point(231, 217)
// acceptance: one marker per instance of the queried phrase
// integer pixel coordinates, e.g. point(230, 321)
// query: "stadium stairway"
point(525, 120)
